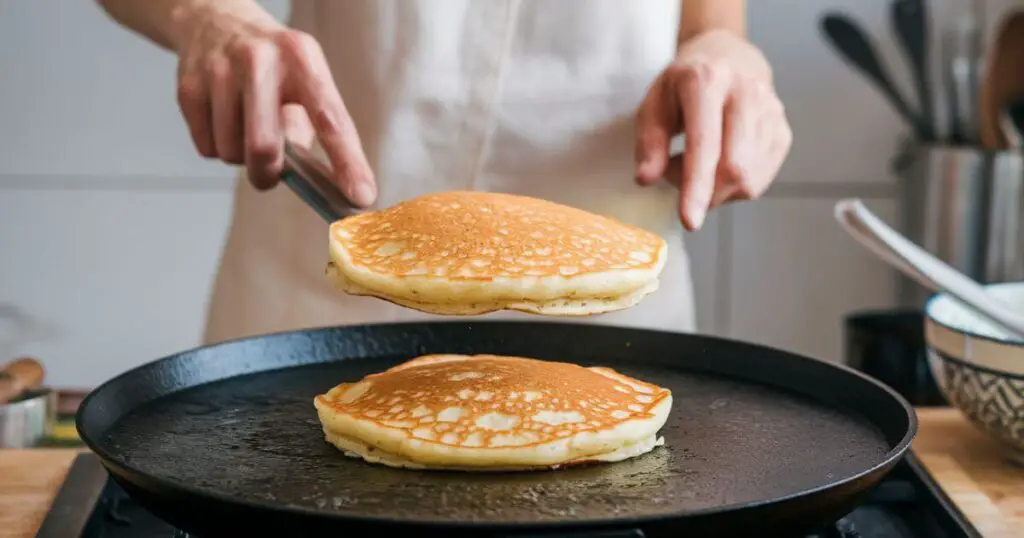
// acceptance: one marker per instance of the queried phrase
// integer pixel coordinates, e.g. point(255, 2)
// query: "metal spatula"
point(310, 179)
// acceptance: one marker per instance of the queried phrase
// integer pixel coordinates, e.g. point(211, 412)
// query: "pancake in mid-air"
point(469, 253)
point(493, 413)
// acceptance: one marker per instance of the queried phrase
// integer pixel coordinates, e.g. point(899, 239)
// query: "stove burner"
point(842, 529)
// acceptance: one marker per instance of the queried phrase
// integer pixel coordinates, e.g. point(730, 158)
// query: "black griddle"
point(224, 440)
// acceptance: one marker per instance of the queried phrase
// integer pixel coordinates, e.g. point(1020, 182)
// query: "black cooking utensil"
point(910, 20)
point(1015, 114)
point(852, 43)
point(224, 440)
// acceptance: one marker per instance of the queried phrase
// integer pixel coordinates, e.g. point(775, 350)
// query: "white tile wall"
point(110, 226)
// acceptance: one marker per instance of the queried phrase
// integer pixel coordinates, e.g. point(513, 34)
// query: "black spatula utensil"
point(910, 20)
point(853, 45)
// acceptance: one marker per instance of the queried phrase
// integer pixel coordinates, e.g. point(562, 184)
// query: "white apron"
point(534, 97)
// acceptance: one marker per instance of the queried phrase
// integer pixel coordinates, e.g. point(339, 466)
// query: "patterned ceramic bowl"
point(979, 367)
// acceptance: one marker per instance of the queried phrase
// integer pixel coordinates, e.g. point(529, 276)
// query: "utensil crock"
point(28, 420)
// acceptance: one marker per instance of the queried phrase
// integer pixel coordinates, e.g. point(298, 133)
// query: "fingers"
point(781, 143)
point(738, 147)
point(702, 93)
point(719, 92)
point(674, 171)
point(756, 139)
point(227, 109)
point(314, 89)
point(237, 93)
point(262, 104)
point(194, 101)
point(296, 125)
point(657, 122)
point(725, 191)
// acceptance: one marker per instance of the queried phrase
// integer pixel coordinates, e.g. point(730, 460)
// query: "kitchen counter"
point(29, 480)
point(989, 491)
point(985, 487)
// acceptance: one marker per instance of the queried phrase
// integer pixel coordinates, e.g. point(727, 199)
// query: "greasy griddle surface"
point(257, 438)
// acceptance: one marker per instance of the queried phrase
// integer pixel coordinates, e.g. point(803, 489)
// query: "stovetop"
point(907, 504)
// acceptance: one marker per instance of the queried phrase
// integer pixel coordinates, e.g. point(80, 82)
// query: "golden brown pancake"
point(465, 253)
point(488, 412)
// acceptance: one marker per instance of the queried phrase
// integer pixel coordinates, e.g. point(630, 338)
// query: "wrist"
point(188, 17)
point(724, 46)
point(698, 17)
point(686, 36)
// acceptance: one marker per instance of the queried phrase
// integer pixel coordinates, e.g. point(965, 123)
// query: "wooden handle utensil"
point(18, 376)
point(1003, 81)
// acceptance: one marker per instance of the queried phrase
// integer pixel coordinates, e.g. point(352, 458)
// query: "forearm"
point(168, 22)
point(698, 16)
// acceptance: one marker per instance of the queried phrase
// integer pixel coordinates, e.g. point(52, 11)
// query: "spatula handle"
point(310, 179)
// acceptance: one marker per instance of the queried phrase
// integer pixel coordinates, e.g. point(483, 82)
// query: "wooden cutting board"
point(968, 466)
point(29, 480)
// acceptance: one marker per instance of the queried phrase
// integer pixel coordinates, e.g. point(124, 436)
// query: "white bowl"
point(979, 367)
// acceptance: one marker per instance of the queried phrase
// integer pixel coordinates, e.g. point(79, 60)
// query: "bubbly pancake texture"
point(487, 412)
point(475, 252)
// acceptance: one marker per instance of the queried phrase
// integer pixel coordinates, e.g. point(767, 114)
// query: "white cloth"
point(534, 97)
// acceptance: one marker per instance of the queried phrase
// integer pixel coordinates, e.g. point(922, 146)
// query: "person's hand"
point(719, 92)
point(246, 81)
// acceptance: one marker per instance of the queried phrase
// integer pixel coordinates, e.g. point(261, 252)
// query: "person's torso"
point(534, 97)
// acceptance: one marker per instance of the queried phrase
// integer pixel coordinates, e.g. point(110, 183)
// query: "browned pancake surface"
point(492, 401)
point(481, 236)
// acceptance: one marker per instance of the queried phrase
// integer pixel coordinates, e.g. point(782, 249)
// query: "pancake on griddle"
point(469, 253)
point(493, 413)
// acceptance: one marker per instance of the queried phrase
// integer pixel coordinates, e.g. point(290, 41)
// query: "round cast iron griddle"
point(224, 440)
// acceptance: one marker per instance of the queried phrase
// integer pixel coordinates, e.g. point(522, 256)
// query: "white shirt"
point(534, 97)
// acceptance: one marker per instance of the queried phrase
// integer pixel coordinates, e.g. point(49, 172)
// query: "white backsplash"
point(110, 226)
